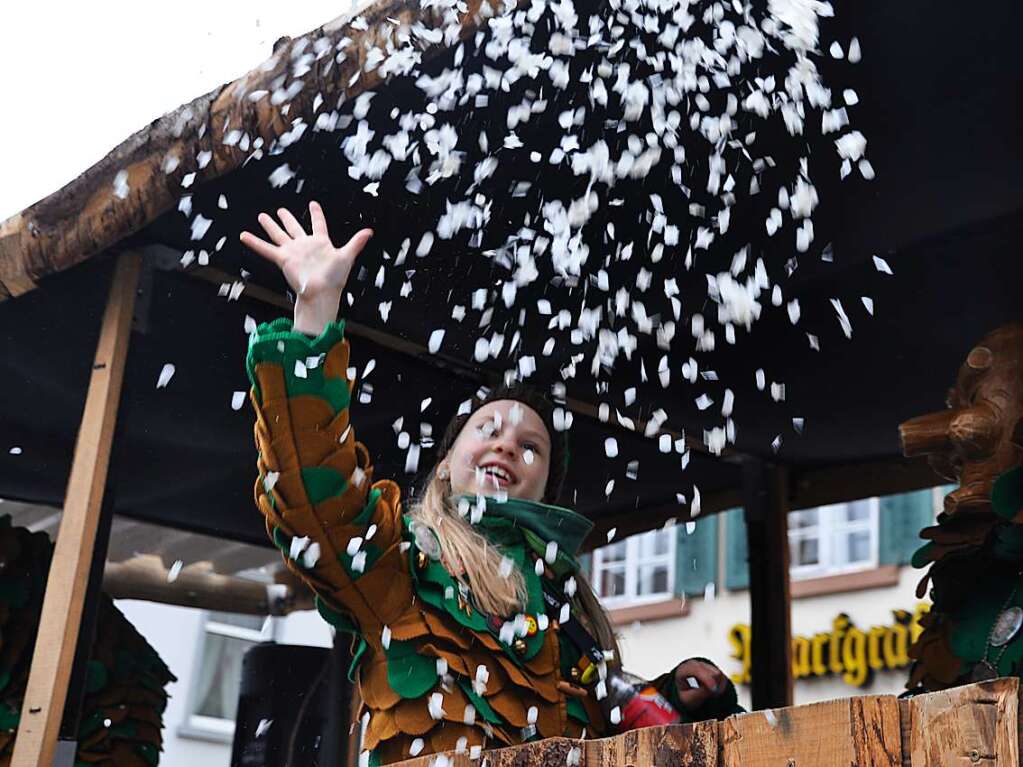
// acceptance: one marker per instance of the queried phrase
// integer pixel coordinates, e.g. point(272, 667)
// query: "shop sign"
point(846, 650)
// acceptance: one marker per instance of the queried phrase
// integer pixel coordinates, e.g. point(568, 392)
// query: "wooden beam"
point(54, 651)
point(837, 484)
point(144, 577)
point(765, 490)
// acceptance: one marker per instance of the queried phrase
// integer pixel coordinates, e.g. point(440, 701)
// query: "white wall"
point(175, 633)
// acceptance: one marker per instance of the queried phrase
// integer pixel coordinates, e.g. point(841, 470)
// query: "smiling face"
point(503, 447)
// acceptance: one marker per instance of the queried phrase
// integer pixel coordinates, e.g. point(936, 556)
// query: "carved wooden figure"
point(972, 442)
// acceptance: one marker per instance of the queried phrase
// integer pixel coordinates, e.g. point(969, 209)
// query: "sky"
point(79, 78)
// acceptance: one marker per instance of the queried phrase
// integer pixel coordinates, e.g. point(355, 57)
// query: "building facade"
point(682, 592)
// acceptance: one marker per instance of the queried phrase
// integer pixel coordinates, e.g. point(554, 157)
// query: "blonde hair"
point(475, 562)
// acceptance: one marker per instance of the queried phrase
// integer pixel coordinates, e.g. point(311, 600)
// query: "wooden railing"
point(962, 727)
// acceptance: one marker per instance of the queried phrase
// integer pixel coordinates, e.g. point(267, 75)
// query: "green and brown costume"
point(122, 712)
point(976, 574)
point(430, 666)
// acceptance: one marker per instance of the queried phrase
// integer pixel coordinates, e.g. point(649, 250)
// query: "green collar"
point(550, 523)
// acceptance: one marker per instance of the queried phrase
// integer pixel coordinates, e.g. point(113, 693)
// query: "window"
point(833, 539)
point(640, 568)
point(218, 669)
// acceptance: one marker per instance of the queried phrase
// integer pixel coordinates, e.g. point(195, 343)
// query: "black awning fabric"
point(189, 459)
point(939, 104)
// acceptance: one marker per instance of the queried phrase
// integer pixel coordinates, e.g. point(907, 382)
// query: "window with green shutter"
point(903, 516)
point(900, 518)
point(736, 551)
point(696, 556)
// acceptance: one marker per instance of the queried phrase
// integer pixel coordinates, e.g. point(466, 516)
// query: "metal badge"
point(1006, 626)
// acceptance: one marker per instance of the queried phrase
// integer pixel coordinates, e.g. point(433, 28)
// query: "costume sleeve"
point(716, 707)
point(338, 529)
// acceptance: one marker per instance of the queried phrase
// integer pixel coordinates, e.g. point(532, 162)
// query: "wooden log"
point(765, 501)
point(680, 745)
point(145, 577)
point(141, 178)
point(854, 731)
point(57, 638)
point(973, 725)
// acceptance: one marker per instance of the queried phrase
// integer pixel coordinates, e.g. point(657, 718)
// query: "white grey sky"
point(78, 78)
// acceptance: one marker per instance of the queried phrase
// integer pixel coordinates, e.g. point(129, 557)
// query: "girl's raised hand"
point(315, 270)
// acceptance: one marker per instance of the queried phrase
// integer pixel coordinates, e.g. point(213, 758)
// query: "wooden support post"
point(54, 652)
point(67, 743)
point(765, 490)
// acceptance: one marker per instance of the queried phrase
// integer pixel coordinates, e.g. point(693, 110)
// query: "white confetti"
point(166, 373)
point(611, 447)
point(175, 570)
point(881, 265)
point(263, 726)
point(237, 400)
point(311, 555)
point(280, 176)
point(121, 184)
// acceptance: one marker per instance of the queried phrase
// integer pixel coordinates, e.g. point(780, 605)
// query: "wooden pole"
point(144, 577)
point(765, 488)
point(54, 652)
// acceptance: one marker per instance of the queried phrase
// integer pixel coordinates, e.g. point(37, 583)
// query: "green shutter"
point(736, 551)
point(586, 564)
point(696, 556)
point(901, 518)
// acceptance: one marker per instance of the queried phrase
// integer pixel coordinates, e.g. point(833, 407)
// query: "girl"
point(474, 627)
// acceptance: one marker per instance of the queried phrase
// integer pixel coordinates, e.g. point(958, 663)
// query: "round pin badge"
point(1006, 626)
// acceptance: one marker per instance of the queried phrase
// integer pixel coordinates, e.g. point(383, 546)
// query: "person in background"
point(474, 626)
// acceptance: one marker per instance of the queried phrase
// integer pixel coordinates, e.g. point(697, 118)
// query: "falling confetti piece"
point(15, 450)
point(237, 400)
point(263, 726)
point(611, 447)
point(311, 555)
point(121, 184)
point(175, 570)
point(166, 373)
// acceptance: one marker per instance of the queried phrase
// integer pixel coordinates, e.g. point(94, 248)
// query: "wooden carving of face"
point(975, 440)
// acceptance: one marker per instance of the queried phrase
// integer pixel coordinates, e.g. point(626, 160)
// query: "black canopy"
point(939, 105)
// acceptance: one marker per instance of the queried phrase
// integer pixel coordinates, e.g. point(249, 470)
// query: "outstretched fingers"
point(262, 247)
point(355, 245)
point(319, 221)
point(273, 229)
point(291, 223)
